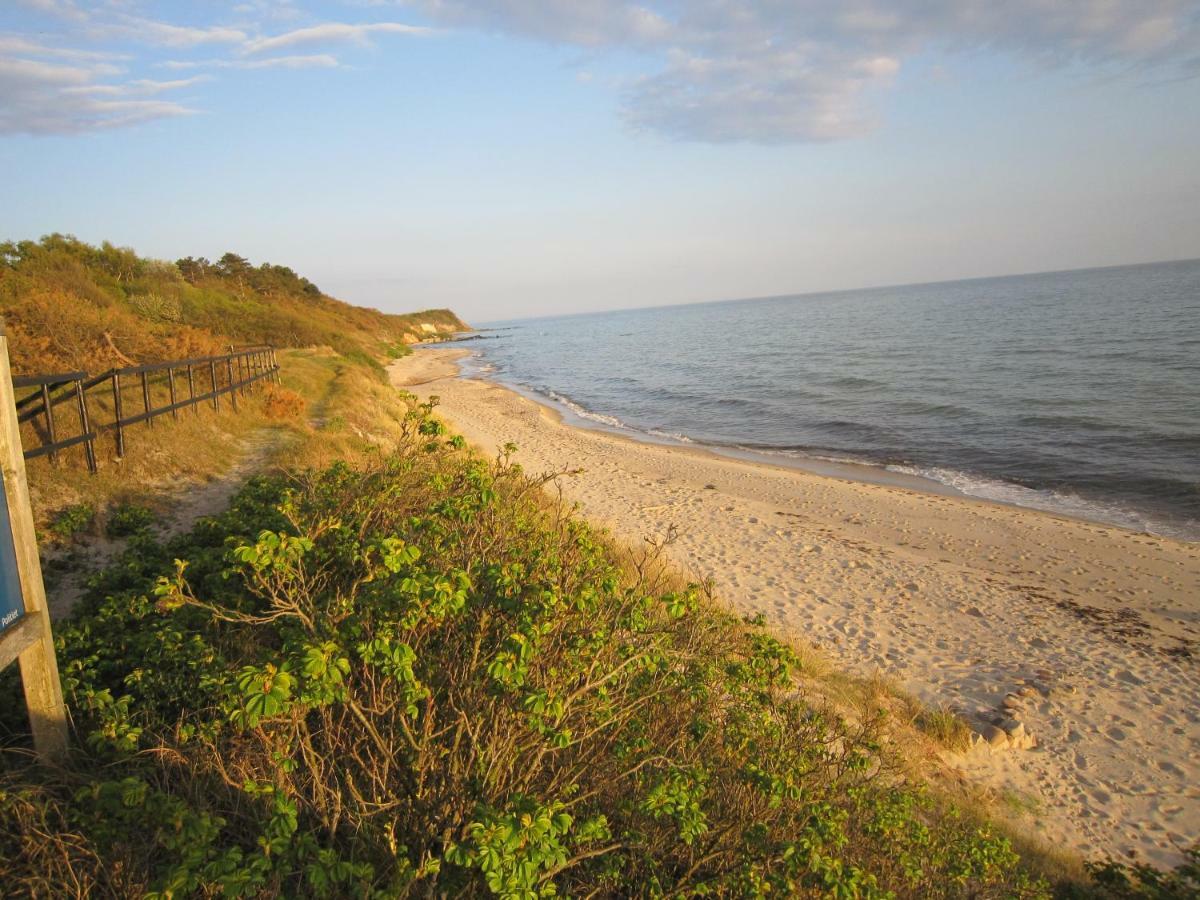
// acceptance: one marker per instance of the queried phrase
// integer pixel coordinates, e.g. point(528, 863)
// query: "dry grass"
point(326, 409)
point(946, 727)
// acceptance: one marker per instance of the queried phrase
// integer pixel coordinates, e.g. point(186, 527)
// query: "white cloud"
point(713, 70)
point(164, 34)
point(331, 32)
point(141, 87)
point(312, 61)
point(65, 80)
point(46, 98)
point(767, 71)
point(21, 45)
point(591, 23)
point(773, 97)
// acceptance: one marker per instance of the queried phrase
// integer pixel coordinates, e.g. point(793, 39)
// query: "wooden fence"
point(187, 383)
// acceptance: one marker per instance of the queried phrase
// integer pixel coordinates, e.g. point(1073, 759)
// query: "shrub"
point(426, 677)
point(71, 520)
point(128, 519)
point(398, 350)
point(156, 307)
point(282, 403)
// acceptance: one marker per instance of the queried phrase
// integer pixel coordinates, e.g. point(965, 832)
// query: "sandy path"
point(962, 601)
point(187, 502)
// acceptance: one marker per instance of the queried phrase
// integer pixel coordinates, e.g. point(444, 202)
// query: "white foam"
point(584, 413)
point(671, 435)
point(1061, 502)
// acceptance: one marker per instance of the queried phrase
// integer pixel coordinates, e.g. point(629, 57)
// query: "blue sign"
point(12, 603)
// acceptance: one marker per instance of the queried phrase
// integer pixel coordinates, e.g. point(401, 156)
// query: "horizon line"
point(849, 290)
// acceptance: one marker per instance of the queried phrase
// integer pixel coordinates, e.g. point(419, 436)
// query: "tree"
point(193, 269)
point(232, 265)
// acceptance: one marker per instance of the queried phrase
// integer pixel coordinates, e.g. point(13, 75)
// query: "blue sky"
point(522, 157)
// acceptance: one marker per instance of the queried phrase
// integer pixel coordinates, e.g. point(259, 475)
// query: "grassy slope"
point(69, 305)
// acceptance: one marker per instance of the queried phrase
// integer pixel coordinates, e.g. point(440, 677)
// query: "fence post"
point(212, 373)
point(146, 399)
point(50, 431)
point(232, 387)
point(174, 400)
point(120, 425)
point(192, 390)
point(89, 446)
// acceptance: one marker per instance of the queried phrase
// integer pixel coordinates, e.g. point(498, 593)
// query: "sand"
point(961, 601)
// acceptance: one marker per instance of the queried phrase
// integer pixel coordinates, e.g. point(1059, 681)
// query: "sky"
point(511, 158)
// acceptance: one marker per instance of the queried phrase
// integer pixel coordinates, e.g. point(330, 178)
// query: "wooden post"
point(232, 388)
point(51, 433)
point(146, 399)
point(24, 619)
point(171, 381)
point(192, 390)
point(212, 373)
point(120, 425)
point(89, 446)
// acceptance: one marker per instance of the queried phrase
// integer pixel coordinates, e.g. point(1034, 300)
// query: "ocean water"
point(1075, 392)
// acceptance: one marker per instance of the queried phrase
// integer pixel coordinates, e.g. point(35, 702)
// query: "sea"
point(1074, 392)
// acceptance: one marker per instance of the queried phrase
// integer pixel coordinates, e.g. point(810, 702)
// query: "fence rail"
point(229, 375)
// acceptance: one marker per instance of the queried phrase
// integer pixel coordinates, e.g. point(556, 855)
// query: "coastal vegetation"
point(419, 674)
point(69, 305)
point(392, 667)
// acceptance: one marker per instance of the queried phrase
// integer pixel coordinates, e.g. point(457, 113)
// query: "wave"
point(583, 412)
point(612, 421)
point(671, 435)
point(1061, 502)
point(1064, 503)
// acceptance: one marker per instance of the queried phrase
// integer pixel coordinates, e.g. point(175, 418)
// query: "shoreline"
point(1086, 630)
point(844, 470)
point(864, 472)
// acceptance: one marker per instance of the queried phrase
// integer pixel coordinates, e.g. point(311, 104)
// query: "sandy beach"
point(1088, 635)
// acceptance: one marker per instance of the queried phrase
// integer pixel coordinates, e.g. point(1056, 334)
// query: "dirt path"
point(187, 502)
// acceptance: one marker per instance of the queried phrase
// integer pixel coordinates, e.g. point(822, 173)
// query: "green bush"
point(428, 678)
point(128, 519)
point(398, 350)
point(71, 520)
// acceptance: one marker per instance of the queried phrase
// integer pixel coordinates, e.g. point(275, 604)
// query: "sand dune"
point(1089, 633)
